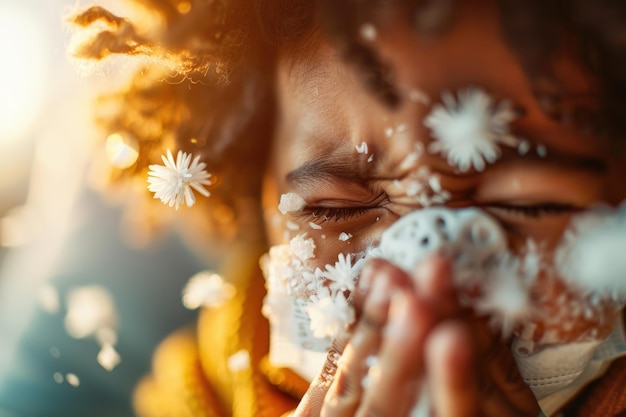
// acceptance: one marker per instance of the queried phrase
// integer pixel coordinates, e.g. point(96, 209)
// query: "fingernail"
point(433, 275)
point(398, 311)
point(380, 292)
point(367, 274)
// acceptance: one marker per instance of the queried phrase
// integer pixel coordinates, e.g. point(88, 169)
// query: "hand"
point(423, 341)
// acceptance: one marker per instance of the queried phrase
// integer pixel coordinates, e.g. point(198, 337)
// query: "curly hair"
point(208, 87)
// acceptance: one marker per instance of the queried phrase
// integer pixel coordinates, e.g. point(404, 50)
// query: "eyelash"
point(322, 214)
point(537, 210)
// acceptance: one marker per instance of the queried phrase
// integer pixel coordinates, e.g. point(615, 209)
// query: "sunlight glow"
point(22, 73)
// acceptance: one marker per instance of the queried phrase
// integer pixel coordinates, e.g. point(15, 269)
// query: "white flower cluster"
point(288, 274)
point(173, 181)
point(207, 289)
point(328, 308)
point(469, 129)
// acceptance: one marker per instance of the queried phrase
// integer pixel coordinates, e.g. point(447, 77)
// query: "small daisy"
point(172, 182)
point(206, 289)
point(343, 274)
point(468, 131)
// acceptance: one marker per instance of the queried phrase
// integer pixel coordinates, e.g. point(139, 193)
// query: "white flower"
point(468, 131)
point(173, 182)
point(592, 254)
point(206, 289)
point(343, 274)
point(329, 314)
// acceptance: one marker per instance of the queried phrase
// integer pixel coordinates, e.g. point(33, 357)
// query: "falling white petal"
point(315, 226)
point(290, 202)
point(174, 181)
point(343, 236)
point(362, 148)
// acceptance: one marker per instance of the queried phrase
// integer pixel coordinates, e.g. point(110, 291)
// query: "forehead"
point(325, 110)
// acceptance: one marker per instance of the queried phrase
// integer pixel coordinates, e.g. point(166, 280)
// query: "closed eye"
point(534, 210)
point(320, 215)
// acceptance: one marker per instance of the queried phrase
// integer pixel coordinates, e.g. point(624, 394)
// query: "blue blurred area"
point(146, 285)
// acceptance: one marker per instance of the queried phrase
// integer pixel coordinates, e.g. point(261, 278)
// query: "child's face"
point(325, 113)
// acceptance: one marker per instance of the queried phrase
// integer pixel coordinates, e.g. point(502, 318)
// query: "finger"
point(372, 270)
point(453, 376)
point(397, 377)
point(344, 395)
point(433, 279)
point(313, 400)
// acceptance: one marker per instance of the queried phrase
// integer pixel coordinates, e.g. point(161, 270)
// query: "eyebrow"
point(342, 167)
point(336, 167)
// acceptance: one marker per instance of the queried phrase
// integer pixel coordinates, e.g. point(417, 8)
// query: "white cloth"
point(557, 373)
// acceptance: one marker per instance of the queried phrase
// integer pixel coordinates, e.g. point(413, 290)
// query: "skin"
point(413, 321)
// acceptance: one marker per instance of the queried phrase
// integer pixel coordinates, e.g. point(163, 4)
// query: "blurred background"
point(81, 306)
